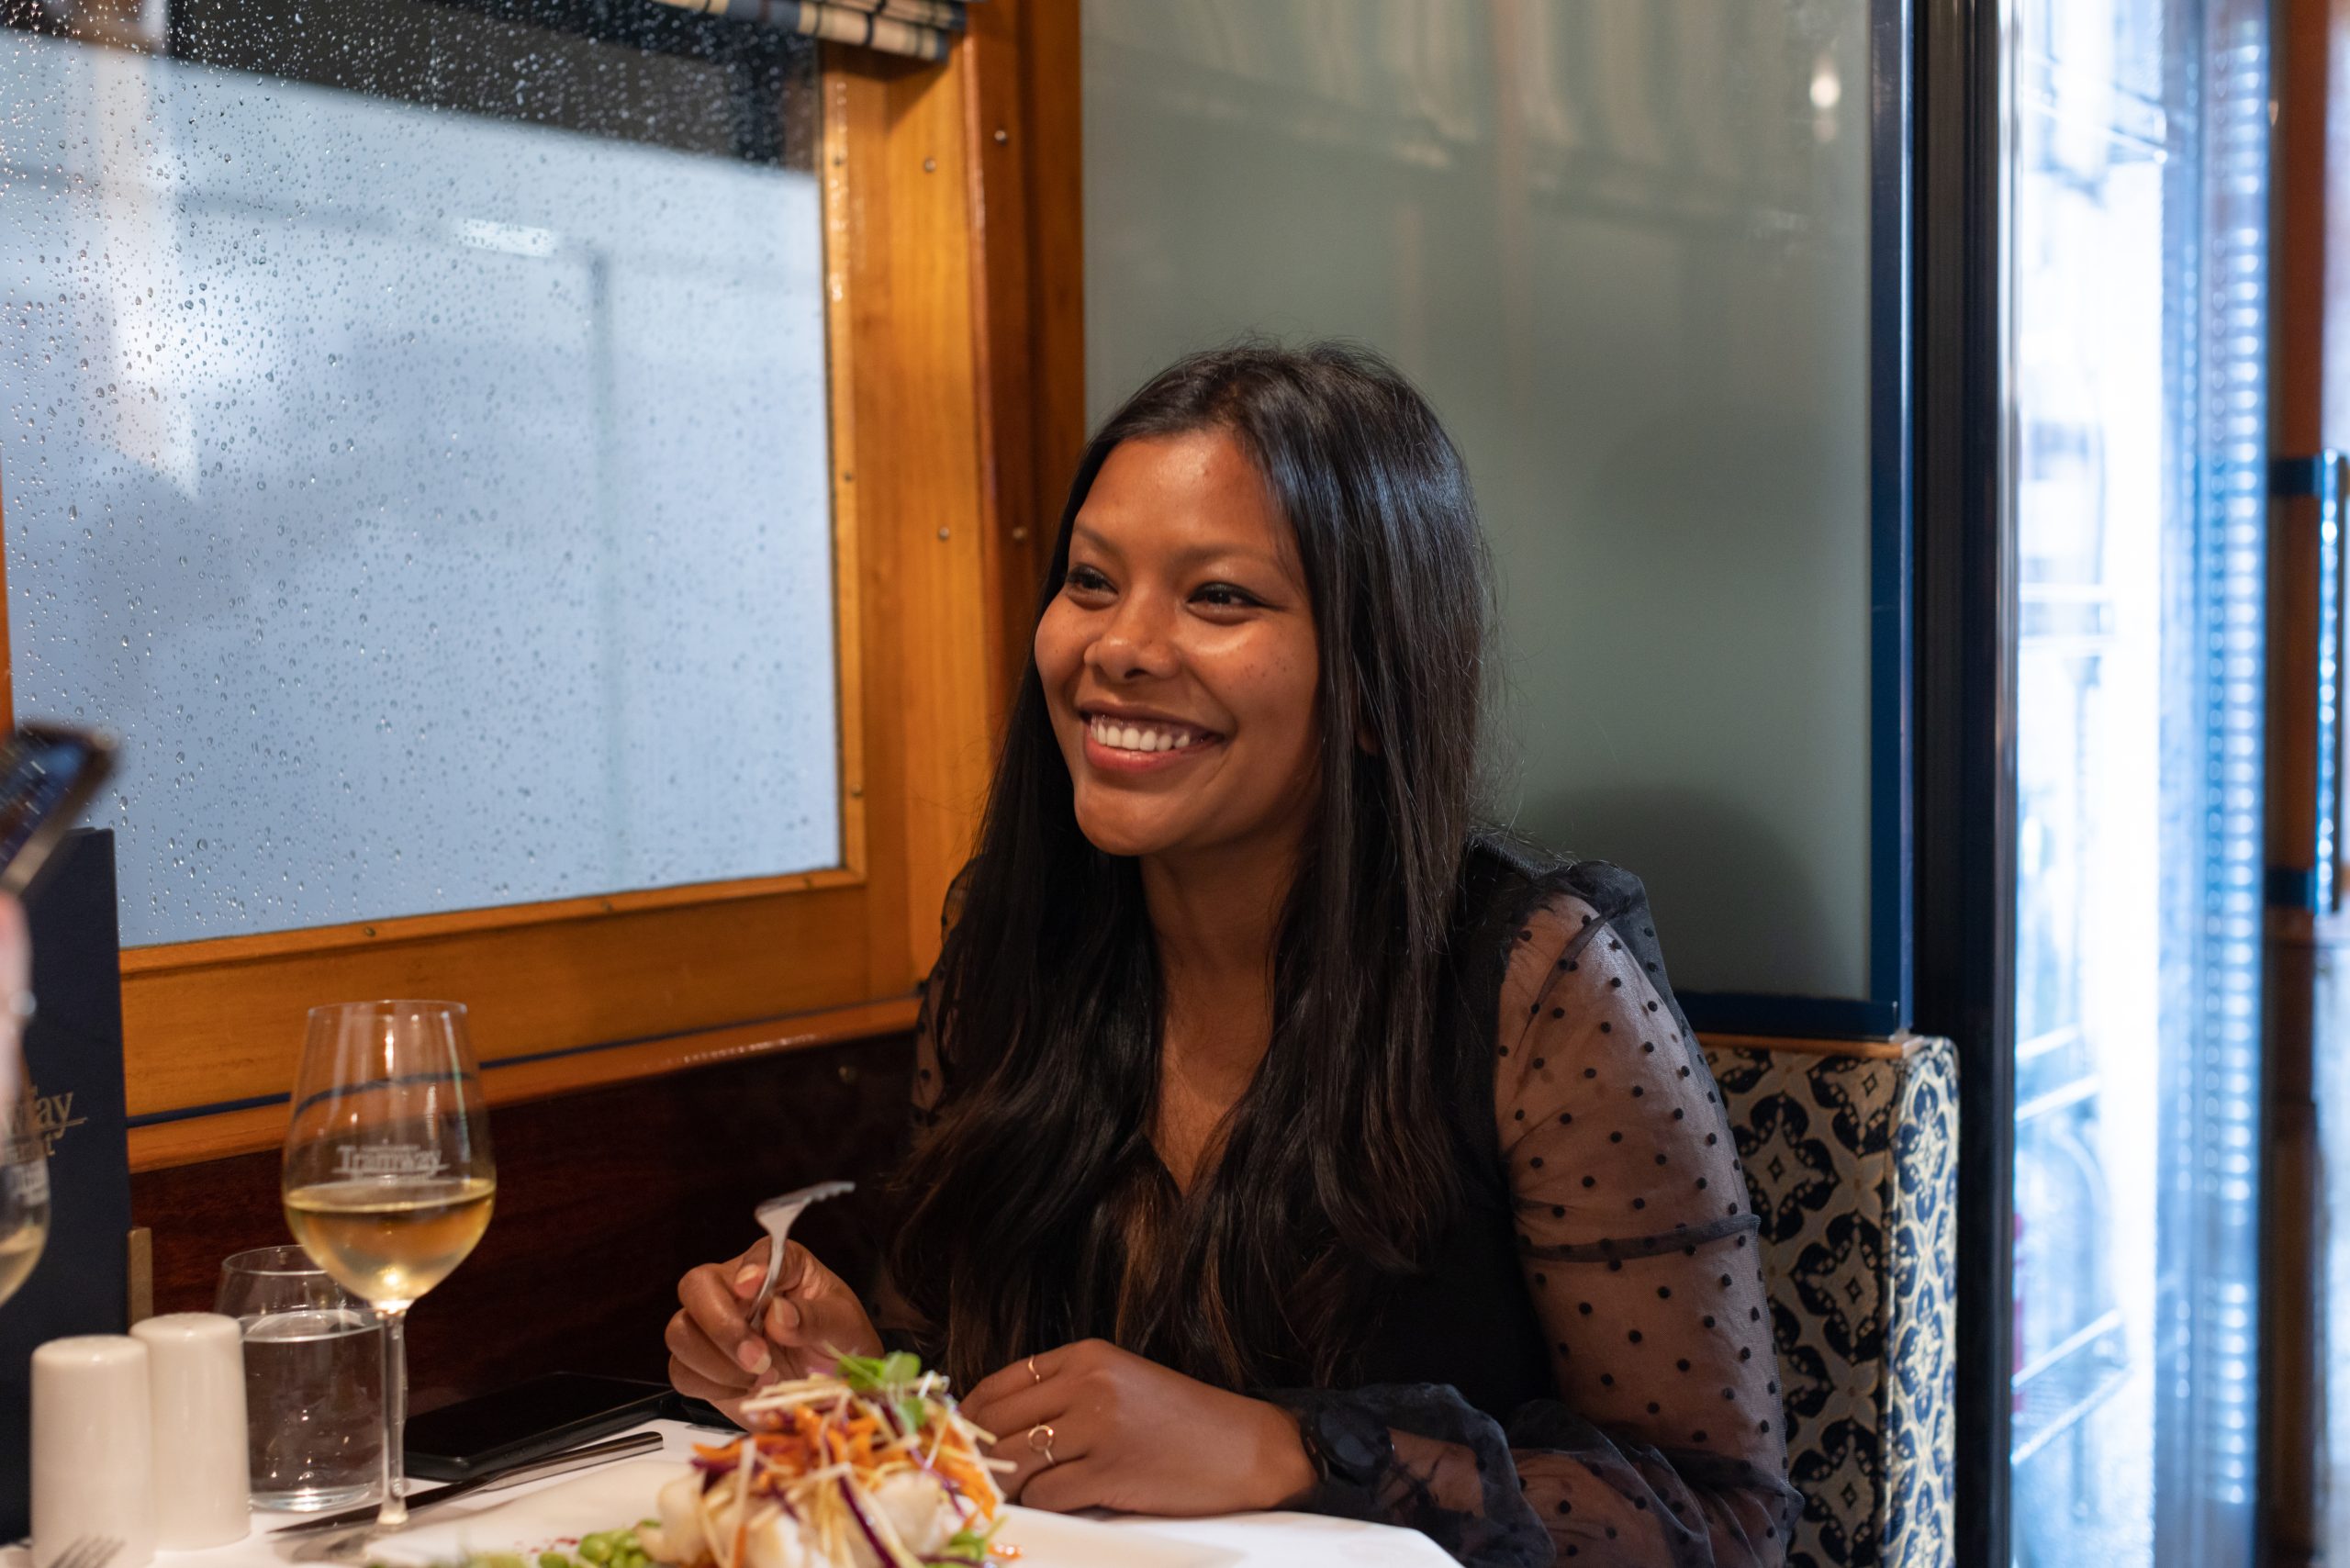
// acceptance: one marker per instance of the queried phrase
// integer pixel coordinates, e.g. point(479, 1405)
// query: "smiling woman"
point(1288, 1140)
point(1177, 659)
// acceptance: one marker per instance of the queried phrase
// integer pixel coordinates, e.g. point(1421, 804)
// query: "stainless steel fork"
point(776, 1217)
point(87, 1551)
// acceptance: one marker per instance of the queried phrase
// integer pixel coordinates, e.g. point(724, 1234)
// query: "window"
point(454, 536)
point(513, 471)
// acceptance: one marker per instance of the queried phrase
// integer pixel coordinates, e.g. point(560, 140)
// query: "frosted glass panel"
point(436, 503)
point(1623, 246)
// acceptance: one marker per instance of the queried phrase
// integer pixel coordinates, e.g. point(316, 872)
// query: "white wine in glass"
point(388, 1177)
point(24, 1168)
point(23, 1204)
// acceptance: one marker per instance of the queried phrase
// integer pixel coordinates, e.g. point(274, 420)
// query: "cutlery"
point(88, 1551)
point(777, 1215)
point(511, 1475)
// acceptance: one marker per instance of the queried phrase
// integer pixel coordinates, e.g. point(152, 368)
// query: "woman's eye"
point(1223, 596)
point(1085, 579)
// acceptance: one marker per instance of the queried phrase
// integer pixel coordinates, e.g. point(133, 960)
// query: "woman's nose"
point(1136, 645)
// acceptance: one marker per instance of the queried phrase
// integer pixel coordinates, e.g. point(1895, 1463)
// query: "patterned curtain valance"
point(920, 29)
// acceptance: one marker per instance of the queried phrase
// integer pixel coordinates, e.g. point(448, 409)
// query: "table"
point(1255, 1540)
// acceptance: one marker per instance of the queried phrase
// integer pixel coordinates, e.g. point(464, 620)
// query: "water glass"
point(314, 1387)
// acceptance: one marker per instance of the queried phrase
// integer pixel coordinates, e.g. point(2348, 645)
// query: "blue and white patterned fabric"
point(1851, 1160)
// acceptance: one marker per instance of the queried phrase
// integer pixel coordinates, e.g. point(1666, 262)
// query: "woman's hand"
point(1129, 1434)
point(715, 1355)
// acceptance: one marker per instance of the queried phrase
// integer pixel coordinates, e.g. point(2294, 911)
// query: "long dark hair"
point(1036, 1210)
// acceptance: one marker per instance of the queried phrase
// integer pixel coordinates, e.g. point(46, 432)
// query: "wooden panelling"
point(2293, 1263)
point(228, 1032)
point(899, 134)
point(990, 61)
point(1020, 64)
point(263, 1127)
point(1055, 170)
point(604, 1199)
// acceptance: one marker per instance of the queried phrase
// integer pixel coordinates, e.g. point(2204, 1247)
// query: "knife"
point(512, 1475)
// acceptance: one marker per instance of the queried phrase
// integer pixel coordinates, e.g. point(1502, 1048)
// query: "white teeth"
point(1138, 737)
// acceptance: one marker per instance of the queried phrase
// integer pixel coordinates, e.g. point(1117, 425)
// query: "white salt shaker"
point(93, 1447)
point(195, 1381)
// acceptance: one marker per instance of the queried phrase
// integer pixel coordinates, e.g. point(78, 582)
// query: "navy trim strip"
point(2292, 887)
point(1793, 1017)
point(188, 1113)
point(1891, 575)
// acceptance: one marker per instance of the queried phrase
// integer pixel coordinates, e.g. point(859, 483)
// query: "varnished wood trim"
point(222, 951)
point(911, 250)
point(1871, 1050)
point(253, 1130)
point(840, 348)
point(995, 131)
point(2292, 1297)
point(222, 1033)
point(1054, 166)
point(8, 668)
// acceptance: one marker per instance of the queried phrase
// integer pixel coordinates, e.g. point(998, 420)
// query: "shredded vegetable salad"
point(873, 1467)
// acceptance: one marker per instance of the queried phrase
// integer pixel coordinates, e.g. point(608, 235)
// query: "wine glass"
point(24, 1167)
point(388, 1181)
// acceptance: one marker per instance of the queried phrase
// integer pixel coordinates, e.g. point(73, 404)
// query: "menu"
point(74, 1049)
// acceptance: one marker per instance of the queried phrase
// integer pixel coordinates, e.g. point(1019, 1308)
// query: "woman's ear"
point(1366, 741)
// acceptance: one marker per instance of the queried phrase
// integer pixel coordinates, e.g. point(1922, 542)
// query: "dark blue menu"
point(74, 1050)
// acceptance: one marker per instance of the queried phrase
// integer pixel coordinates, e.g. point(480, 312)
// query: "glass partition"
point(415, 447)
point(2139, 175)
point(1625, 246)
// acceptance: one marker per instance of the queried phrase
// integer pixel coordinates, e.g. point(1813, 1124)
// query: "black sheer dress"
point(1583, 1371)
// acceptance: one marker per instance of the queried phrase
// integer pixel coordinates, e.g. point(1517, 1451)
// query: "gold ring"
point(1040, 1440)
point(1033, 1371)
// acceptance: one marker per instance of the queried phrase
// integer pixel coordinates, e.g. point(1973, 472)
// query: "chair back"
point(1850, 1152)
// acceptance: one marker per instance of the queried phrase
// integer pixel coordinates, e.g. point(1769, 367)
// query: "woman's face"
point(1178, 659)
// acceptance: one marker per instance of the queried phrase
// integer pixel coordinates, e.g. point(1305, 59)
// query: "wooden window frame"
point(954, 329)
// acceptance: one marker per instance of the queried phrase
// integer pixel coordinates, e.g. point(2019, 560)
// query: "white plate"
point(622, 1493)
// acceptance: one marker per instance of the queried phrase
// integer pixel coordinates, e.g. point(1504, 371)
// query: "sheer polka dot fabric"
point(1641, 1257)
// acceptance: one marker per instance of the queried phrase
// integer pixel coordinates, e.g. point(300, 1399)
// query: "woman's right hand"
point(715, 1355)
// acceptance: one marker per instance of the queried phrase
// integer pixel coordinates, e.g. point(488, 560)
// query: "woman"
point(1285, 1142)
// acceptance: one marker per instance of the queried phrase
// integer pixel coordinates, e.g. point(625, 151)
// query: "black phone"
point(47, 773)
point(526, 1421)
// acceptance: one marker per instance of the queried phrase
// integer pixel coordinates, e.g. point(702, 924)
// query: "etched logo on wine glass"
point(379, 1159)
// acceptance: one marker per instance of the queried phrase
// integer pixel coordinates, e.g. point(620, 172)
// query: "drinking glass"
point(313, 1380)
point(388, 1181)
point(23, 1166)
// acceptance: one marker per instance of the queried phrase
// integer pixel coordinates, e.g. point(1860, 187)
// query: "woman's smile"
point(1123, 741)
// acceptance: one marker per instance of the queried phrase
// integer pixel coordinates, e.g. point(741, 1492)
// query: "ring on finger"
point(1040, 1440)
point(1033, 1373)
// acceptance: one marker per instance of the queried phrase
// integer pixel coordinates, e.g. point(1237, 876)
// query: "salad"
point(872, 1467)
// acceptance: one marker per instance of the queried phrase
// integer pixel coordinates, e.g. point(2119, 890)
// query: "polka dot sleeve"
point(1665, 1445)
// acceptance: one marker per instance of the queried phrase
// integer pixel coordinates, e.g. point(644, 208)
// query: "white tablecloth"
point(1257, 1541)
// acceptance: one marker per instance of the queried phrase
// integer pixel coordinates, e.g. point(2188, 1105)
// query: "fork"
point(87, 1551)
point(775, 1215)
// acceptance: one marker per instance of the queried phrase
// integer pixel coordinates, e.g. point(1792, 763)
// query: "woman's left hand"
point(1126, 1433)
